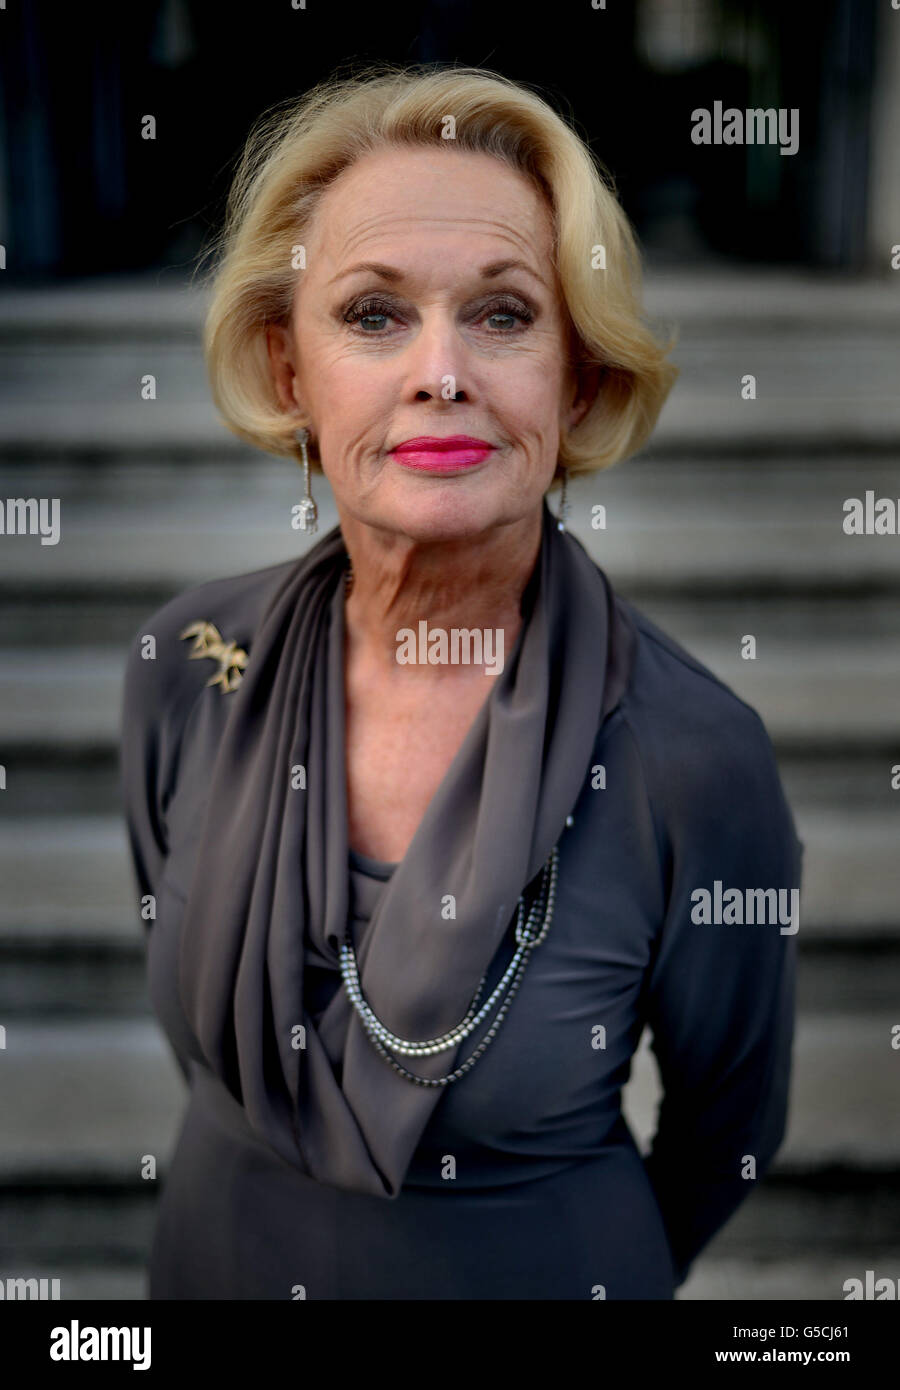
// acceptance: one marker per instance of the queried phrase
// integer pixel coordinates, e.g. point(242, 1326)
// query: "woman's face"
point(408, 297)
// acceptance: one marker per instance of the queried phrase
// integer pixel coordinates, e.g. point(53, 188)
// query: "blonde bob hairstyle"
point(295, 150)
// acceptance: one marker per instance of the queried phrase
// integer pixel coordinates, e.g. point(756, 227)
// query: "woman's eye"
point(510, 314)
point(368, 311)
point(365, 311)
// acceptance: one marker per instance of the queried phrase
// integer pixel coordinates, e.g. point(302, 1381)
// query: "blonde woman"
point(412, 913)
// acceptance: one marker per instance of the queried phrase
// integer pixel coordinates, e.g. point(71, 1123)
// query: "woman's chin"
point(449, 516)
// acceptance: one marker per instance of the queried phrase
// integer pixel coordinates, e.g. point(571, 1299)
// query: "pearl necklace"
point(528, 935)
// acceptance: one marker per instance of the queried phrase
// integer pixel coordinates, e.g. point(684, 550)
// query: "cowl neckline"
point(271, 876)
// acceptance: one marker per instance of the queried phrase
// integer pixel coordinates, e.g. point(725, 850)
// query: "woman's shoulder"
point(672, 685)
point(217, 618)
point(698, 740)
point(237, 600)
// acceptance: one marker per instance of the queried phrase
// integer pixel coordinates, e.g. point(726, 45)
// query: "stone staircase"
point(729, 523)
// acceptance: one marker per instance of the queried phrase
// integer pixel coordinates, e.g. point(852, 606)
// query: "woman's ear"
point(588, 380)
point(281, 363)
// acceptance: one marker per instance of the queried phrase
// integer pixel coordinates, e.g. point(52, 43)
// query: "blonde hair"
point(295, 150)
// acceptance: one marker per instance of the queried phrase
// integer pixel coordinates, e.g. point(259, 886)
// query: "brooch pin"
point(209, 642)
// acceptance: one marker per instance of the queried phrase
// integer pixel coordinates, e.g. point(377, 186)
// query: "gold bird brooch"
point(208, 641)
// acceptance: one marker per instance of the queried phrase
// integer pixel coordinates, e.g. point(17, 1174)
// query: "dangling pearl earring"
point(308, 511)
point(563, 503)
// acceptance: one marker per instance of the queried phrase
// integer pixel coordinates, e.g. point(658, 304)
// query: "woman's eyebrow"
point(393, 275)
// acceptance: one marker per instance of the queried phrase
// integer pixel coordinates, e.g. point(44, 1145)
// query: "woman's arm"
point(141, 760)
point(159, 691)
point(720, 994)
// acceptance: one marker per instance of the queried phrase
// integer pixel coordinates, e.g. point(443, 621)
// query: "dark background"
point(86, 194)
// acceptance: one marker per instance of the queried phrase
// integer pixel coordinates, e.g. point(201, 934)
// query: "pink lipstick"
point(442, 454)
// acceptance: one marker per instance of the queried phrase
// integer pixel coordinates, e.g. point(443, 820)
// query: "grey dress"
point(526, 1182)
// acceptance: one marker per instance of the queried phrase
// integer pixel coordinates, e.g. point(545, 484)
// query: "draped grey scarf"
point(271, 877)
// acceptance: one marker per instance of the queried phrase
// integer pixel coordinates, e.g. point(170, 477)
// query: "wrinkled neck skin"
point(475, 582)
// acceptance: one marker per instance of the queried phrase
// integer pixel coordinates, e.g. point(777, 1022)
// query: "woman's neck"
point(405, 594)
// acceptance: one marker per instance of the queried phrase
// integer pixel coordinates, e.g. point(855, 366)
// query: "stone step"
point(157, 305)
point(824, 353)
point(57, 1229)
point(717, 1279)
point(844, 1110)
point(67, 881)
point(167, 304)
point(805, 399)
point(84, 782)
point(827, 1211)
point(48, 976)
point(785, 1280)
point(67, 877)
point(65, 619)
point(794, 1237)
point(782, 301)
point(774, 527)
point(84, 1101)
point(817, 692)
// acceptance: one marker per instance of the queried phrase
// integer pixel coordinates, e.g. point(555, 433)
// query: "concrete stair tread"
point(843, 1107)
point(88, 1099)
point(89, 345)
point(686, 527)
point(825, 690)
point(690, 417)
point(116, 303)
point(71, 877)
point(778, 298)
point(720, 1278)
point(67, 876)
point(713, 1278)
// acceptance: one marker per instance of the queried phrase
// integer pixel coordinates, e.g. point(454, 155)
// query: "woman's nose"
point(438, 359)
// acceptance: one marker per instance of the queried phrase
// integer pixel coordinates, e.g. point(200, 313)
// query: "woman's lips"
point(437, 455)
